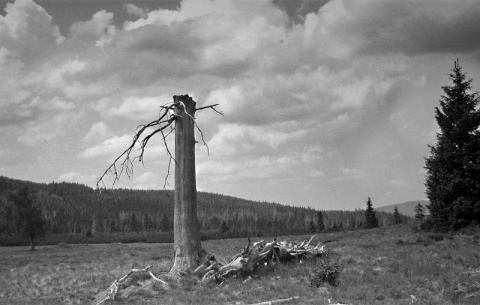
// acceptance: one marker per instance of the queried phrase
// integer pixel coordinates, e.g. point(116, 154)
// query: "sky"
point(326, 103)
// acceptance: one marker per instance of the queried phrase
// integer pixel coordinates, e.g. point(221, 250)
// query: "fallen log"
point(253, 256)
point(261, 253)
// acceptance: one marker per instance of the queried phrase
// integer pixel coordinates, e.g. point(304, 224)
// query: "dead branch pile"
point(246, 262)
point(258, 254)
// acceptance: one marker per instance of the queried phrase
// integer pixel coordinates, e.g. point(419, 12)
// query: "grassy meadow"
point(392, 265)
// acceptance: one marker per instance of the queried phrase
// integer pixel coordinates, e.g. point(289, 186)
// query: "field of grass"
point(390, 265)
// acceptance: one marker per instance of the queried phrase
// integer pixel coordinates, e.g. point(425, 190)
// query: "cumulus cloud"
point(57, 76)
point(138, 108)
point(310, 89)
point(135, 10)
point(350, 174)
point(109, 146)
point(99, 29)
point(381, 27)
point(78, 178)
point(56, 103)
point(98, 132)
point(234, 139)
point(27, 37)
point(27, 28)
point(147, 180)
point(47, 129)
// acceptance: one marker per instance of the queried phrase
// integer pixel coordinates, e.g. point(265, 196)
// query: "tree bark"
point(187, 246)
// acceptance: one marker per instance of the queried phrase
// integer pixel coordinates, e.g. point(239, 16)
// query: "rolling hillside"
point(406, 208)
point(72, 208)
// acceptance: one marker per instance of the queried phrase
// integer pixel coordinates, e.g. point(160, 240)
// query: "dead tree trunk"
point(187, 244)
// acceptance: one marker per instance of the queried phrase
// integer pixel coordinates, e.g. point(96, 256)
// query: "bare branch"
point(212, 107)
point(125, 161)
point(127, 164)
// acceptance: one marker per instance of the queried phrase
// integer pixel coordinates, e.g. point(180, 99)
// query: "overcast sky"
point(326, 102)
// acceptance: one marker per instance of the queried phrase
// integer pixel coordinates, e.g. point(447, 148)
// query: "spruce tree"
point(419, 211)
point(452, 182)
point(371, 220)
point(396, 218)
point(312, 228)
point(320, 222)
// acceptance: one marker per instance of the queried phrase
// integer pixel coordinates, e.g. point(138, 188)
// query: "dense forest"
point(76, 209)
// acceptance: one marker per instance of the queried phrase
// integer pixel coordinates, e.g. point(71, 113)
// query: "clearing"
point(392, 265)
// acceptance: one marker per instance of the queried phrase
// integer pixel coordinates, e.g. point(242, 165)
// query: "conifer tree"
point(453, 168)
point(396, 218)
point(419, 211)
point(28, 217)
point(371, 220)
point(320, 222)
point(312, 228)
point(224, 227)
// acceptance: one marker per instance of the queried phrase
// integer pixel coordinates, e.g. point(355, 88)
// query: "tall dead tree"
point(186, 229)
point(187, 246)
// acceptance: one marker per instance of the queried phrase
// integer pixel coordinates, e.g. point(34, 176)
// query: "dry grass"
point(381, 266)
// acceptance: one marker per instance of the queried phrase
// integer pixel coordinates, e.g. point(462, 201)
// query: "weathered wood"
point(187, 246)
point(278, 301)
point(261, 253)
point(111, 292)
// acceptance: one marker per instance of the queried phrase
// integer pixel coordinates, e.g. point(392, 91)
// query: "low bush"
point(326, 270)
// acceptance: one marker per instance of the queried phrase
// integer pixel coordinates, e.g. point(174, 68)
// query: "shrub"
point(326, 270)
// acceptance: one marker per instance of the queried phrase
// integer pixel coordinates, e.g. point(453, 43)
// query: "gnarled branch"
point(125, 161)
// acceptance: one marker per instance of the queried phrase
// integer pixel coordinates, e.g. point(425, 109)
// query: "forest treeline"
point(72, 209)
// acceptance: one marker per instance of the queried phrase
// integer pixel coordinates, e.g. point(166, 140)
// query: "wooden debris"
point(253, 256)
point(277, 301)
point(260, 253)
point(111, 292)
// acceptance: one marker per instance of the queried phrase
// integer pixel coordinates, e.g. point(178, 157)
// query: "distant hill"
point(72, 208)
point(406, 208)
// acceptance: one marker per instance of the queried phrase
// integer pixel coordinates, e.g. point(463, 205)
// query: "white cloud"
point(298, 100)
point(28, 23)
point(56, 76)
point(49, 128)
point(350, 174)
point(234, 139)
point(98, 132)
point(397, 182)
point(352, 95)
point(78, 177)
point(100, 29)
point(228, 171)
point(139, 108)
point(317, 173)
point(56, 103)
point(147, 180)
point(135, 10)
point(114, 145)
point(229, 98)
